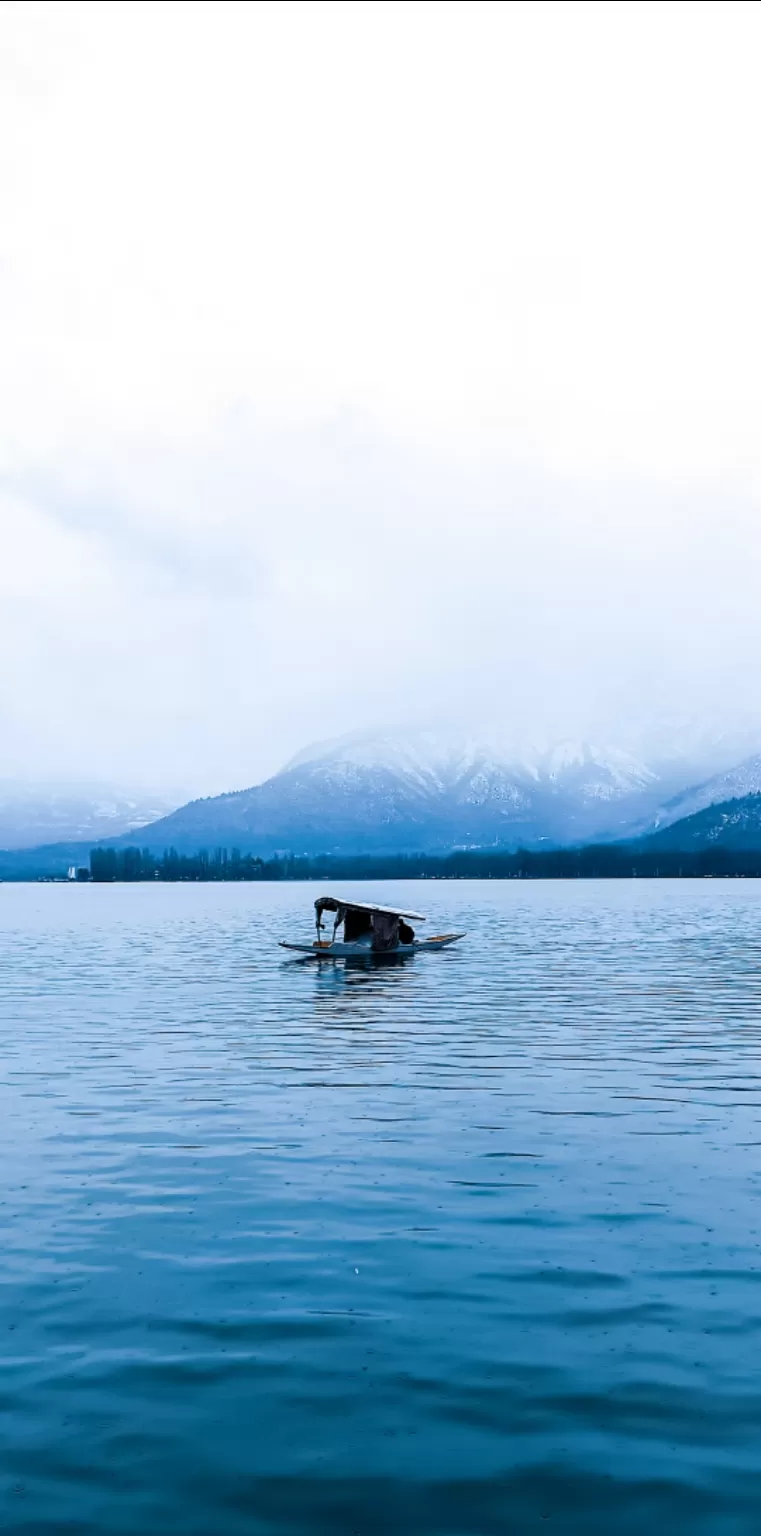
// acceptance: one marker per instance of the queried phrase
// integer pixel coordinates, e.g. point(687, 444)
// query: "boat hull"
point(365, 952)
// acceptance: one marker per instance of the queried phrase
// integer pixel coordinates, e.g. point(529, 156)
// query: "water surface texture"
point(466, 1244)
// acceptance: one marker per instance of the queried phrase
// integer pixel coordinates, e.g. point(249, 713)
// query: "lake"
point(465, 1244)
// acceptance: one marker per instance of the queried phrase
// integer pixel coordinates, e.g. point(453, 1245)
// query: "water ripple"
point(461, 1245)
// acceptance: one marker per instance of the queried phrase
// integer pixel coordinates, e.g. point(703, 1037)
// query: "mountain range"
point(422, 791)
point(416, 791)
point(732, 824)
point(733, 784)
point(37, 812)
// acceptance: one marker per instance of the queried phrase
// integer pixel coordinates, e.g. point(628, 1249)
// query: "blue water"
point(466, 1244)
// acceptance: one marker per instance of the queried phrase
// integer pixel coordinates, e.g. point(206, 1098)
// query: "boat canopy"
point(338, 904)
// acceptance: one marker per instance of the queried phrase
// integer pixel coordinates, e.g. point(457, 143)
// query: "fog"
point(370, 363)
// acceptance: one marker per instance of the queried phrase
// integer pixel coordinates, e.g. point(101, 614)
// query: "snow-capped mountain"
point(734, 784)
point(733, 824)
point(35, 813)
point(422, 790)
point(444, 762)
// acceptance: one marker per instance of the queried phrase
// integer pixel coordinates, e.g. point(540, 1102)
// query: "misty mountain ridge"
point(35, 813)
point(445, 761)
point(734, 784)
point(733, 824)
point(425, 790)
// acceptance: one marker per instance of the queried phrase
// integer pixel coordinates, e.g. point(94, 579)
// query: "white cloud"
point(430, 327)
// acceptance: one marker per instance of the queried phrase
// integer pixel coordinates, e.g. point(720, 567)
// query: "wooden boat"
point(369, 932)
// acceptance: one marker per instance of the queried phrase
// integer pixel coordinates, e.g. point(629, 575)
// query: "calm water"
point(465, 1244)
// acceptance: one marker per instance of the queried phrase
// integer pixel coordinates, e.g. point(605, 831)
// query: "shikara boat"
point(368, 931)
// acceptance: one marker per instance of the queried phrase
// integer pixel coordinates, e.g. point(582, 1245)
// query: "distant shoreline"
point(611, 861)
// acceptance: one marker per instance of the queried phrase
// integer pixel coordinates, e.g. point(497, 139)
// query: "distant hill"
point(403, 792)
point(733, 784)
point(32, 813)
point(733, 824)
point(722, 839)
point(417, 791)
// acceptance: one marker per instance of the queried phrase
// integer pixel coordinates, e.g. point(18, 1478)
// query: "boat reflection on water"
point(366, 963)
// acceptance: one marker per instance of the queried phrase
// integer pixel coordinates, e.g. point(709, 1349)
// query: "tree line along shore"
point(602, 861)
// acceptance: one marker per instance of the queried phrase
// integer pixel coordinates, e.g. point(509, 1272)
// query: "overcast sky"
point(370, 362)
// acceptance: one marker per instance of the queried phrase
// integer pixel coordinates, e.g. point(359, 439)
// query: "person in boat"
point(381, 931)
point(385, 932)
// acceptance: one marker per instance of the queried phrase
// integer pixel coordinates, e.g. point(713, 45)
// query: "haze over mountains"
point(733, 825)
point(395, 791)
point(37, 812)
point(734, 784)
point(425, 791)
